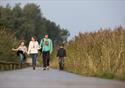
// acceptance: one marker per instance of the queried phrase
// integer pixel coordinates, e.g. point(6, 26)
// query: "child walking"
point(33, 50)
point(21, 51)
point(61, 54)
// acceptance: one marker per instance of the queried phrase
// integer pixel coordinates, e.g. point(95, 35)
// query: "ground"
point(28, 78)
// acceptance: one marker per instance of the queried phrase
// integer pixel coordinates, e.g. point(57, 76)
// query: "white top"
point(33, 47)
point(22, 48)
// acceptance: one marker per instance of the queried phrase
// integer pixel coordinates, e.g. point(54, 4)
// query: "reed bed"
point(100, 54)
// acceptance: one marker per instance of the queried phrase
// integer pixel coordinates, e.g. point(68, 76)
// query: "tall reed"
point(100, 53)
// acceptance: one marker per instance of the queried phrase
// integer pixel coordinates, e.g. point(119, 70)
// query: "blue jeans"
point(34, 57)
point(21, 56)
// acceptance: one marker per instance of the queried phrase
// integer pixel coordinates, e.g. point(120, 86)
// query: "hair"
point(61, 44)
point(46, 34)
point(21, 42)
point(34, 38)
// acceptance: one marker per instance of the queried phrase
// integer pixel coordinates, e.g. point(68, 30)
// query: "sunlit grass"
point(99, 54)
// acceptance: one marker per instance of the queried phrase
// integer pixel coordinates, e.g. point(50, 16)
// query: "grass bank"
point(100, 54)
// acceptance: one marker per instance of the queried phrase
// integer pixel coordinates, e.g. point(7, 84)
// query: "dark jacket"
point(61, 52)
point(21, 52)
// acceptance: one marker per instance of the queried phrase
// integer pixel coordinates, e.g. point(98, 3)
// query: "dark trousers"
point(46, 58)
point(61, 63)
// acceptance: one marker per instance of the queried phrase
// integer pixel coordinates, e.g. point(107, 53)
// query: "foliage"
point(7, 42)
point(28, 21)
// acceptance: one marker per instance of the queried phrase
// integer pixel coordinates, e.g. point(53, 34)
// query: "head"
point(46, 36)
point(22, 42)
point(33, 38)
point(61, 45)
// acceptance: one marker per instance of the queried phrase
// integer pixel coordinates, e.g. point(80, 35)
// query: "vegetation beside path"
point(100, 54)
point(7, 42)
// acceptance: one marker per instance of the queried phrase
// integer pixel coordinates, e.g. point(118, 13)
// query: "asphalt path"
point(28, 78)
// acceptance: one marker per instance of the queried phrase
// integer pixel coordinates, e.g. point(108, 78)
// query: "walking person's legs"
point(61, 63)
point(21, 59)
point(44, 61)
point(48, 59)
point(34, 57)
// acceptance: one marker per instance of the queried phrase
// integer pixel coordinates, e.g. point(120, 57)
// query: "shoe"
point(33, 68)
point(47, 67)
point(43, 68)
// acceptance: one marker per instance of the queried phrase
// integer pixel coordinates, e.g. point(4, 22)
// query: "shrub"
point(7, 42)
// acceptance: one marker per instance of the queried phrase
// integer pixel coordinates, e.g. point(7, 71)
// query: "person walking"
point(33, 50)
point(47, 47)
point(21, 51)
point(61, 54)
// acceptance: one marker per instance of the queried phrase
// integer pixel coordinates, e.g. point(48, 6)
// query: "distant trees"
point(29, 21)
point(21, 23)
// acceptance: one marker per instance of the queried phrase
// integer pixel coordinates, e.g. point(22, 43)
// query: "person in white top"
point(33, 50)
point(21, 51)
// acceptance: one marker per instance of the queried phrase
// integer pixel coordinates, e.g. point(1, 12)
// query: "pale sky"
point(80, 15)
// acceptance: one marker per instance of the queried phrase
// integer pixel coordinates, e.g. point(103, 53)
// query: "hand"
point(13, 49)
point(28, 53)
point(50, 53)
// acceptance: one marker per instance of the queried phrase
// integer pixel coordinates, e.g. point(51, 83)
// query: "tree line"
point(21, 23)
point(29, 21)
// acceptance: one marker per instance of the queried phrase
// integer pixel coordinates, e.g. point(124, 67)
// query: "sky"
point(80, 15)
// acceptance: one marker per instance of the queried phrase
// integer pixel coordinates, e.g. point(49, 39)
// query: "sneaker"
point(47, 67)
point(33, 68)
point(43, 68)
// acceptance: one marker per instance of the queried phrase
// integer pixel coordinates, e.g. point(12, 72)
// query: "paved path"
point(28, 78)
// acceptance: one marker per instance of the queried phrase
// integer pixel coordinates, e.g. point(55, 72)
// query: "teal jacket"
point(46, 45)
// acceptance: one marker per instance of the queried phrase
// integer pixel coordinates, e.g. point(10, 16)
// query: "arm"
point(15, 49)
point(41, 42)
point(26, 51)
point(29, 48)
point(51, 46)
point(38, 46)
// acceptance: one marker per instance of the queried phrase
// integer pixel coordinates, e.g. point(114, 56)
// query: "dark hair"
point(21, 41)
point(46, 34)
point(34, 38)
point(61, 44)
